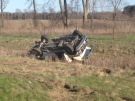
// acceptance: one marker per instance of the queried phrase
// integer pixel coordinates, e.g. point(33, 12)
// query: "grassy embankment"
point(108, 75)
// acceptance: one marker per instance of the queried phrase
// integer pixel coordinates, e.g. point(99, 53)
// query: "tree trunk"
point(1, 13)
point(92, 23)
point(35, 14)
point(1, 26)
point(64, 13)
point(114, 23)
point(85, 10)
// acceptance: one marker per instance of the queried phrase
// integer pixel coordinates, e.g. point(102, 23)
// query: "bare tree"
point(64, 12)
point(92, 9)
point(77, 5)
point(103, 5)
point(86, 4)
point(33, 2)
point(115, 4)
point(3, 4)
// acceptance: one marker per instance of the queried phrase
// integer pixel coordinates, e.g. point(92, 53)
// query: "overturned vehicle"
point(69, 47)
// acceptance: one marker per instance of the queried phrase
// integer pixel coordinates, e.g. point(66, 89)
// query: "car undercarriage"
point(71, 47)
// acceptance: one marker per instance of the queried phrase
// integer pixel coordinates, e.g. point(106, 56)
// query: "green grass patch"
point(13, 88)
point(109, 88)
point(122, 44)
point(18, 42)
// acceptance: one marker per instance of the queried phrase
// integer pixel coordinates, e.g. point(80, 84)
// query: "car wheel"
point(44, 37)
point(69, 49)
point(76, 32)
point(37, 51)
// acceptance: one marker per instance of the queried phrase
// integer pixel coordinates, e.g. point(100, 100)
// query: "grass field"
point(55, 26)
point(108, 75)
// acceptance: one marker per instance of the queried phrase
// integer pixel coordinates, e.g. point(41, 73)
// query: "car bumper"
point(85, 54)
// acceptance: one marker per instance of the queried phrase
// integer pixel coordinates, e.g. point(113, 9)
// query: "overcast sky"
point(22, 4)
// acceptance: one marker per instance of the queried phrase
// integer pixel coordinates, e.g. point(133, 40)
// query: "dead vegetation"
point(53, 75)
point(52, 26)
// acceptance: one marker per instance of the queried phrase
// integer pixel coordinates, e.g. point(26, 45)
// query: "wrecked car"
point(69, 47)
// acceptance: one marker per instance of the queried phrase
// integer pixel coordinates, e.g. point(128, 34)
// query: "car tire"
point(69, 49)
point(76, 32)
point(44, 37)
point(38, 52)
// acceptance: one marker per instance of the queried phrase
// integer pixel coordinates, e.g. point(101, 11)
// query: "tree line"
point(70, 10)
point(57, 15)
point(39, 16)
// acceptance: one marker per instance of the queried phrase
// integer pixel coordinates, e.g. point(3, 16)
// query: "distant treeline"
point(28, 15)
point(55, 16)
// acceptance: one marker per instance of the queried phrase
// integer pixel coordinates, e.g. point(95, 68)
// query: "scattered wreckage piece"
point(71, 47)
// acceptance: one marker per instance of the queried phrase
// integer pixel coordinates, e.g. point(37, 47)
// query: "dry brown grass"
point(110, 61)
point(49, 27)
